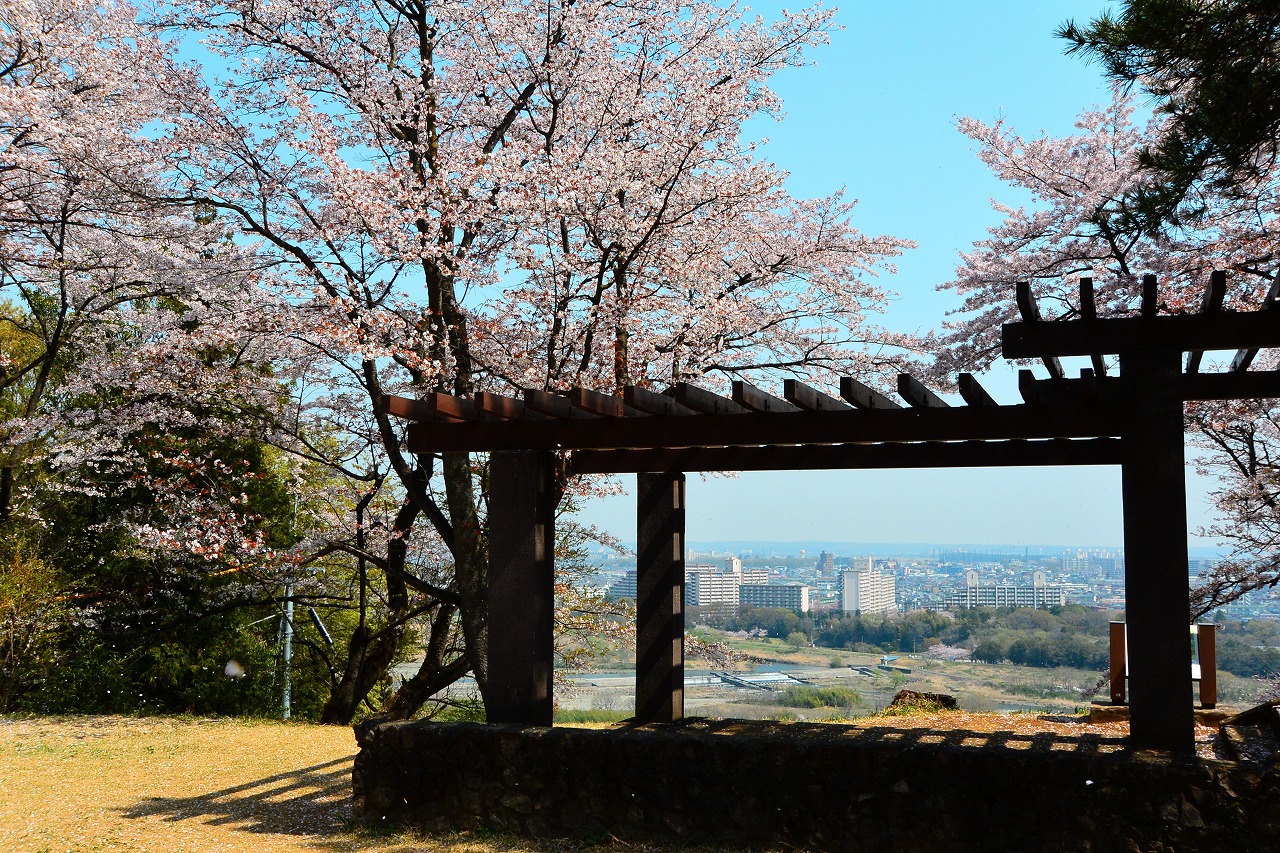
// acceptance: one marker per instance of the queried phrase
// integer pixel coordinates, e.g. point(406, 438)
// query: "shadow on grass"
point(312, 800)
point(314, 803)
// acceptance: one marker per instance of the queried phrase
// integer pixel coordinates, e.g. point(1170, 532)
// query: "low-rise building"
point(790, 596)
point(1039, 594)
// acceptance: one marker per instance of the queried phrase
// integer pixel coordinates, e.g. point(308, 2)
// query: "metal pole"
point(288, 650)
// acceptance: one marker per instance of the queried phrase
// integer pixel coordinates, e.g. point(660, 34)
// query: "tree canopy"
point(1213, 68)
point(360, 199)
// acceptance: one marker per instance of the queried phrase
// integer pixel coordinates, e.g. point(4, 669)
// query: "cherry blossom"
point(459, 197)
point(1080, 223)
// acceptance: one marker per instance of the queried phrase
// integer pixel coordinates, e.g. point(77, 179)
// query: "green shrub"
point(806, 696)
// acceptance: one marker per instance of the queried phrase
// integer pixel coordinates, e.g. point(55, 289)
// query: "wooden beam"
point(864, 396)
point(1150, 297)
point(918, 396)
point(521, 597)
point(1030, 312)
point(602, 404)
point(450, 407)
point(1225, 330)
point(1026, 301)
point(1088, 306)
point(1054, 366)
point(751, 397)
point(1249, 384)
point(1089, 312)
point(660, 534)
point(1086, 391)
point(959, 454)
point(1214, 294)
point(959, 423)
point(407, 408)
point(1118, 669)
point(1245, 356)
point(1030, 388)
point(704, 401)
point(811, 399)
point(1262, 384)
point(653, 402)
point(504, 408)
point(972, 391)
point(435, 406)
point(556, 405)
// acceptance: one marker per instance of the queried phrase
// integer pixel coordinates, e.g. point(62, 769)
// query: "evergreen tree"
point(1214, 68)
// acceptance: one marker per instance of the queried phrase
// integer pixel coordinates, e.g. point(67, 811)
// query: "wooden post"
point(1117, 663)
point(660, 598)
point(1153, 487)
point(1208, 650)
point(521, 587)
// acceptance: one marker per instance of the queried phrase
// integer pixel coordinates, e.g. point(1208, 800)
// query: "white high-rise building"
point(707, 586)
point(711, 586)
point(866, 590)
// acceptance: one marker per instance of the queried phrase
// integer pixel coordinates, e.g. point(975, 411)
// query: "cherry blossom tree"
point(131, 345)
point(1081, 221)
point(462, 197)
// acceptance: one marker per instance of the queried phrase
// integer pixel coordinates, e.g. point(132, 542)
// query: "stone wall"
point(810, 786)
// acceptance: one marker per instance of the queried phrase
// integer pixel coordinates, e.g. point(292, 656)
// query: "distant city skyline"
point(1017, 507)
point(813, 548)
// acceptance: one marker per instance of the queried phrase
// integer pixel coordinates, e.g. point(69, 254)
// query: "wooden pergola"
point(1134, 420)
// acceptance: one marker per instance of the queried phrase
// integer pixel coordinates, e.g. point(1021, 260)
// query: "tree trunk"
point(433, 676)
point(371, 653)
point(471, 562)
point(6, 492)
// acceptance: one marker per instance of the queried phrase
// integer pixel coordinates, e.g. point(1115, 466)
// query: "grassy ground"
point(81, 784)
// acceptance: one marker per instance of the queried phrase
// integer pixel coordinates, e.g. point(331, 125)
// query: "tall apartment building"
point(826, 563)
point(790, 596)
point(624, 587)
point(711, 586)
point(708, 586)
point(865, 589)
point(1038, 594)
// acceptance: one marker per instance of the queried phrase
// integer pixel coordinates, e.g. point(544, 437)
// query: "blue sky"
point(876, 114)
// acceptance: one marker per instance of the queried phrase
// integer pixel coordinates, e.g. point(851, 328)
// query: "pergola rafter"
point(1133, 420)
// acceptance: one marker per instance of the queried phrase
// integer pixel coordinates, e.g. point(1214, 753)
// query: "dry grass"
point(81, 784)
